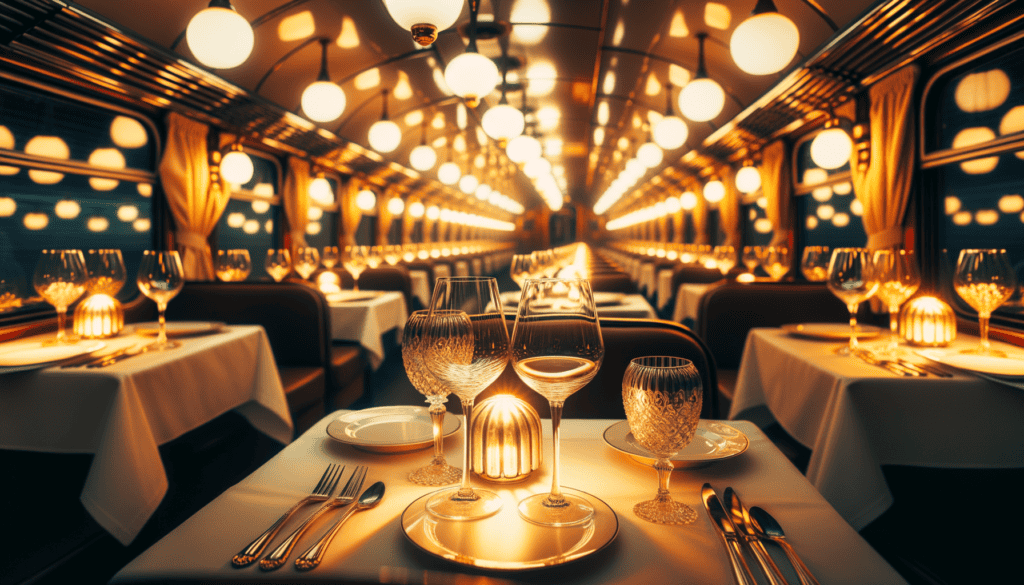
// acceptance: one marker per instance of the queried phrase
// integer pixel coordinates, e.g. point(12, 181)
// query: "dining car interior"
point(511, 291)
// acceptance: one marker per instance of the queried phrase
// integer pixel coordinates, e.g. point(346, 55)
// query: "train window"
point(757, 230)
point(76, 174)
point(828, 212)
point(254, 216)
point(973, 135)
point(322, 228)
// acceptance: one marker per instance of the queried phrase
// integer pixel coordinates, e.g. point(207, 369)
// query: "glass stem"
point(62, 313)
point(894, 337)
point(161, 338)
point(664, 467)
point(983, 331)
point(853, 326)
point(555, 498)
point(437, 412)
point(465, 489)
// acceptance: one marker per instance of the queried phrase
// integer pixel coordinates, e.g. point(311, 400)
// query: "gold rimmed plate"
point(830, 331)
point(389, 429)
point(713, 441)
point(524, 546)
point(32, 355)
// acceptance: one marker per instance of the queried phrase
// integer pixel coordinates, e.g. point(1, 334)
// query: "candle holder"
point(506, 435)
point(927, 322)
point(98, 316)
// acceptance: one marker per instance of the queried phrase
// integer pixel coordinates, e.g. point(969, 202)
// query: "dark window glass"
point(828, 212)
point(757, 230)
point(322, 231)
point(252, 218)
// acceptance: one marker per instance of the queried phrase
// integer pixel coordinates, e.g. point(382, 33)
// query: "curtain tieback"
point(191, 240)
point(887, 238)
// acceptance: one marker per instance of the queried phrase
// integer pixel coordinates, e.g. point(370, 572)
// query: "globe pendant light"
point(671, 131)
point(748, 179)
point(320, 190)
point(702, 99)
point(366, 200)
point(832, 147)
point(503, 122)
point(384, 135)
point(766, 42)
point(650, 155)
point(236, 166)
point(714, 191)
point(468, 183)
point(219, 37)
point(423, 157)
point(523, 148)
point(322, 100)
point(470, 75)
point(424, 18)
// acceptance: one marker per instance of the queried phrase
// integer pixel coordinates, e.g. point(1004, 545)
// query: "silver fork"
point(322, 491)
point(347, 496)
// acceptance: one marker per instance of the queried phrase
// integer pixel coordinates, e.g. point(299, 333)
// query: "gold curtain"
point(729, 210)
point(384, 216)
point(678, 226)
point(700, 217)
point(778, 190)
point(195, 202)
point(296, 199)
point(883, 187)
point(408, 222)
point(350, 212)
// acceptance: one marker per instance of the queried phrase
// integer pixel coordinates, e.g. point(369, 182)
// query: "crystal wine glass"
point(374, 256)
point(392, 254)
point(60, 278)
point(725, 258)
point(242, 262)
point(852, 278)
point(307, 260)
point(814, 264)
point(521, 268)
point(330, 257)
point(985, 279)
point(161, 278)
point(354, 260)
point(775, 261)
point(467, 350)
point(898, 281)
point(751, 258)
point(414, 339)
point(662, 396)
point(106, 270)
point(556, 349)
point(233, 265)
point(278, 263)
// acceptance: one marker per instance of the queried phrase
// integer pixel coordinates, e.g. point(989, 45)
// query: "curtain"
point(678, 225)
point(296, 199)
point(195, 202)
point(700, 217)
point(408, 223)
point(350, 212)
point(883, 187)
point(729, 210)
point(778, 190)
point(385, 217)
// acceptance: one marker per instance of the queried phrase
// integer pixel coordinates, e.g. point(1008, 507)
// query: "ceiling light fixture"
point(366, 200)
point(650, 154)
point(323, 100)
point(503, 122)
point(424, 19)
point(748, 178)
point(320, 190)
point(236, 166)
point(766, 42)
point(449, 172)
point(702, 99)
point(470, 75)
point(384, 135)
point(832, 147)
point(671, 131)
point(219, 37)
point(714, 191)
point(423, 158)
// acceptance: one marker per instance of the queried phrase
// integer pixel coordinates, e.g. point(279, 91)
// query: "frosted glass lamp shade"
point(416, 209)
point(396, 206)
point(537, 167)
point(424, 19)
point(688, 201)
point(449, 173)
point(831, 148)
point(670, 132)
point(650, 155)
point(366, 200)
point(523, 148)
point(764, 43)
point(236, 168)
point(748, 179)
point(219, 38)
point(323, 101)
point(468, 184)
point(503, 122)
point(714, 191)
point(702, 99)
point(423, 158)
point(471, 76)
point(384, 136)
point(320, 191)
point(482, 191)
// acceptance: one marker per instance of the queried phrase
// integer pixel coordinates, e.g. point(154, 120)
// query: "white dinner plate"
point(1011, 366)
point(389, 429)
point(830, 331)
point(713, 441)
point(180, 328)
point(34, 354)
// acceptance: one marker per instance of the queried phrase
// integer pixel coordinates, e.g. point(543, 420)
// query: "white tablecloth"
point(645, 282)
point(367, 320)
point(856, 417)
point(373, 544)
point(664, 287)
point(123, 412)
point(631, 306)
point(688, 301)
point(421, 286)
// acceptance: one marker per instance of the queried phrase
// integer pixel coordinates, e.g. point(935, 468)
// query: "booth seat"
point(391, 278)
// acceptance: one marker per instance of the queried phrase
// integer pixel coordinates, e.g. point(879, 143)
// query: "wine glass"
point(852, 278)
point(556, 349)
point(374, 256)
point(354, 260)
point(233, 265)
point(106, 270)
point(775, 261)
point(521, 268)
point(60, 278)
point(392, 254)
point(329, 258)
point(307, 260)
point(814, 264)
point(467, 350)
point(725, 258)
point(414, 339)
point(278, 263)
point(161, 278)
point(898, 281)
point(242, 262)
point(662, 396)
point(985, 279)
point(751, 258)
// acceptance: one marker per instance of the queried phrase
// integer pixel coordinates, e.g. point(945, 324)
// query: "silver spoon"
point(312, 557)
point(741, 518)
point(767, 527)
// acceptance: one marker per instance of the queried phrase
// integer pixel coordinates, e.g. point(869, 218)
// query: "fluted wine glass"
point(556, 349)
point(160, 278)
point(414, 348)
point(106, 270)
point(985, 279)
point(814, 264)
point(521, 268)
point(725, 258)
point(751, 258)
point(662, 396)
point(775, 261)
point(278, 263)
point(354, 260)
point(307, 260)
point(467, 349)
point(852, 278)
point(60, 278)
point(898, 280)
point(330, 256)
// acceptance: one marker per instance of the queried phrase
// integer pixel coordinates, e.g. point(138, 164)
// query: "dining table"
point(122, 413)
point(384, 544)
point(857, 417)
point(609, 304)
point(365, 316)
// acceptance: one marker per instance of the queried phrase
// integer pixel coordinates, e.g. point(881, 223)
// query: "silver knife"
point(726, 529)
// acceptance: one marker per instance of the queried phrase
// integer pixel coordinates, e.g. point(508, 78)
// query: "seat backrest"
point(624, 339)
point(612, 282)
point(694, 274)
point(728, 312)
point(393, 278)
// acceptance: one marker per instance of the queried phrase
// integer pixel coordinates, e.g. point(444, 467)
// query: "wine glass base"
point(436, 475)
point(538, 509)
point(164, 346)
point(844, 350)
point(447, 505)
point(665, 512)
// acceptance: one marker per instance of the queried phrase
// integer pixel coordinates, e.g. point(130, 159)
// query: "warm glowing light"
point(688, 200)
point(1011, 203)
point(542, 76)
point(323, 101)
point(468, 184)
point(349, 36)
point(537, 167)
point(7, 206)
point(748, 179)
point(141, 225)
point(127, 213)
point(982, 91)
point(962, 218)
point(812, 222)
point(702, 99)
point(763, 226)
point(826, 212)
point(416, 209)
point(609, 82)
point(384, 136)
point(844, 188)
point(236, 168)
point(530, 11)
point(413, 118)
point(650, 155)
point(219, 38)
point(653, 86)
point(124, 131)
point(366, 200)
point(433, 213)
point(296, 27)
point(51, 147)
point(449, 173)
point(67, 209)
point(269, 226)
point(423, 158)
point(503, 122)
point(396, 206)
point(986, 216)
point(314, 213)
point(762, 202)
point(714, 191)
point(831, 148)
point(764, 43)
point(144, 189)
point(678, 27)
point(1012, 122)
point(717, 15)
point(482, 192)
point(670, 132)
point(856, 207)
point(368, 79)
point(260, 206)
point(678, 75)
point(970, 137)
point(822, 194)
point(672, 205)
point(553, 147)
point(251, 226)
point(603, 113)
point(841, 220)
point(97, 224)
point(815, 176)
point(35, 221)
point(471, 76)
point(598, 136)
point(320, 191)
point(236, 220)
point(313, 228)
point(424, 19)
point(548, 117)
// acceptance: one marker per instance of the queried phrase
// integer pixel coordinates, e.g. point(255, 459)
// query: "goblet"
point(161, 278)
point(725, 258)
point(521, 268)
point(985, 279)
point(278, 263)
point(106, 270)
point(775, 261)
point(814, 264)
point(662, 396)
point(233, 265)
point(751, 258)
point(329, 257)
point(60, 278)
point(392, 254)
point(852, 278)
point(898, 281)
point(307, 260)
point(374, 256)
point(467, 349)
point(354, 260)
point(242, 262)
point(414, 339)
point(556, 349)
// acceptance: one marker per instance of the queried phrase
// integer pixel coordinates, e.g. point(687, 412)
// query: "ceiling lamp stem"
point(703, 98)
point(323, 100)
point(384, 135)
point(670, 132)
point(471, 75)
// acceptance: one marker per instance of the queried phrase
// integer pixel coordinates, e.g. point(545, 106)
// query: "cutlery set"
point(108, 359)
point(901, 367)
point(739, 526)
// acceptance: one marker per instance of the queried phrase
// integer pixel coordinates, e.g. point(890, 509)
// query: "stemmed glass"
point(161, 278)
point(354, 261)
point(898, 281)
point(60, 278)
point(814, 264)
point(330, 256)
point(106, 270)
point(307, 260)
point(751, 258)
point(392, 254)
point(725, 258)
point(233, 265)
point(985, 279)
point(414, 340)
point(467, 349)
point(374, 256)
point(278, 263)
point(556, 349)
point(662, 396)
point(521, 268)
point(775, 261)
point(852, 278)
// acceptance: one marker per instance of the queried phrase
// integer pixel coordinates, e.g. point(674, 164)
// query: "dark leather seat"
point(624, 339)
point(391, 278)
point(612, 282)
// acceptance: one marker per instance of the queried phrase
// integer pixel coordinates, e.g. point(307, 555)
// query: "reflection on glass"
point(852, 278)
point(60, 279)
point(106, 270)
point(898, 281)
point(233, 265)
point(354, 260)
point(751, 257)
point(160, 278)
point(725, 258)
point(307, 260)
point(775, 261)
point(278, 263)
point(814, 264)
point(330, 257)
point(985, 280)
